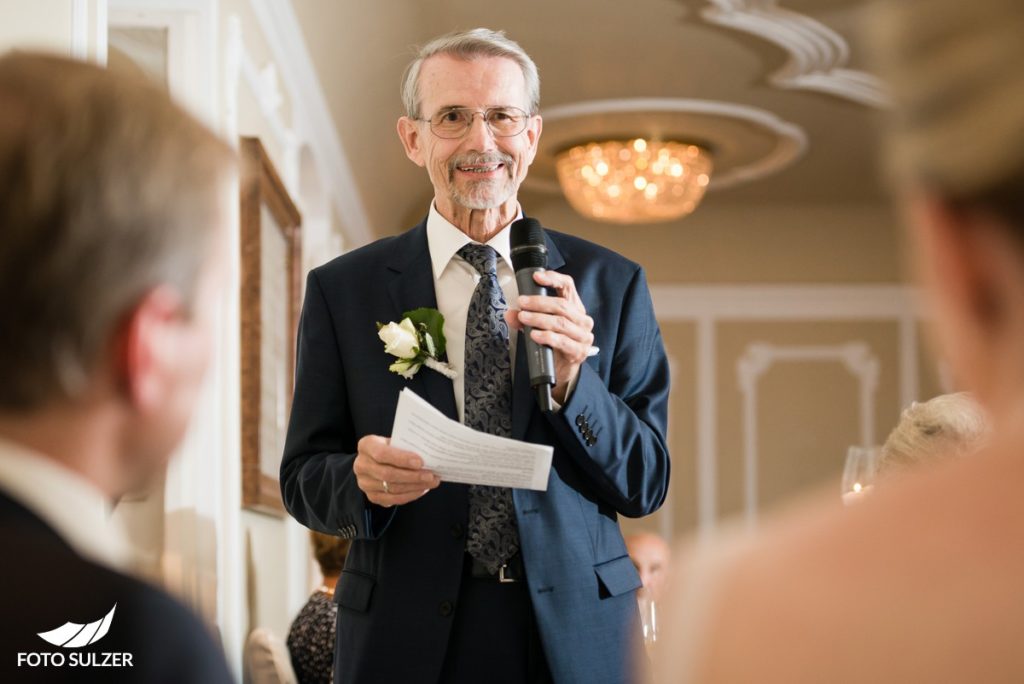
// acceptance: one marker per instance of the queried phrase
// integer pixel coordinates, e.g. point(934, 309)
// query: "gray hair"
point(468, 45)
point(946, 427)
point(107, 189)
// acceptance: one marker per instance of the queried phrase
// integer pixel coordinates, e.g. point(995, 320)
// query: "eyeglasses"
point(455, 122)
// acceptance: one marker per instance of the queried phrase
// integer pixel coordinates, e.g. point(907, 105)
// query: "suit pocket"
point(354, 591)
point(617, 576)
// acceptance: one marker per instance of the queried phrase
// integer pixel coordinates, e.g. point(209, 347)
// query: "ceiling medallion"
point(603, 155)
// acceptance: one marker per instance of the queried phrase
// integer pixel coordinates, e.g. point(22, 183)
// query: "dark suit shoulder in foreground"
point(45, 584)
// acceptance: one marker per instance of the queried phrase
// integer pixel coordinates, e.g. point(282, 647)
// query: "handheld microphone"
point(529, 255)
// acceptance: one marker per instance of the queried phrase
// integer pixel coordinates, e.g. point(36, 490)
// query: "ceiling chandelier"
point(634, 181)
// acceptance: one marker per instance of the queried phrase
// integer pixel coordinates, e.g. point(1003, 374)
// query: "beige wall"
point(807, 410)
point(728, 242)
point(42, 24)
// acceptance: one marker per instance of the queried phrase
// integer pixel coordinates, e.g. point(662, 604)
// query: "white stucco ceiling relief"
point(818, 55)
point(746, 143)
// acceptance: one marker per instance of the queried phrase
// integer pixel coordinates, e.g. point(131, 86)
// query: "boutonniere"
point(417, 341)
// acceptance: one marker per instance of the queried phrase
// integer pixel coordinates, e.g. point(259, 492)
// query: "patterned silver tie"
point(493, 536)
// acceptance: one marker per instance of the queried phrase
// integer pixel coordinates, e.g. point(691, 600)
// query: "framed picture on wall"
point(271, 255)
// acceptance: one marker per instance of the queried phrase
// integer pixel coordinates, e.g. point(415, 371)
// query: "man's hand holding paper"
point(457, 453)
point(390, 476)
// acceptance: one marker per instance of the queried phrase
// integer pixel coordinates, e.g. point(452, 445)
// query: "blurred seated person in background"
point(311, 637)
point(113, 235)
point(650, 554)
point(922, 582)
point(943, 428)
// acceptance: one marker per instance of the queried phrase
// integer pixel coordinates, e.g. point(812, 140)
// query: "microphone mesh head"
point(528, 247)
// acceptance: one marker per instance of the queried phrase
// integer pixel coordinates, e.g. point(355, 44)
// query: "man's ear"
point(409, 133)
point(961, 250)
point(145, 353)
point(533, 131)
point(955, 256)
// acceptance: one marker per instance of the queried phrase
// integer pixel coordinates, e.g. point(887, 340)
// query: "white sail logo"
point(74, 635)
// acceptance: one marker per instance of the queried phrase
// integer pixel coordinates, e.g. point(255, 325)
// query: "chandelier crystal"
point(634, 181)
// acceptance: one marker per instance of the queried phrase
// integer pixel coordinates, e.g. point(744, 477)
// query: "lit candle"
point(857, 493)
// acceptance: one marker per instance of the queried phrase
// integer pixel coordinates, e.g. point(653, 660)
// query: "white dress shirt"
point(66, 501)
point(454, 282)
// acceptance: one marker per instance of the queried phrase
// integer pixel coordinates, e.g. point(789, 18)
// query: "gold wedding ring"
point(385, 484)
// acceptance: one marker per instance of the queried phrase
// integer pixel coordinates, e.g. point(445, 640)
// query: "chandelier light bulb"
point(636, 180)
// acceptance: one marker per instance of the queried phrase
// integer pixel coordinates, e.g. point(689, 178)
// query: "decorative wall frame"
point(708, 306)
point(271, 258)
point(758, 359)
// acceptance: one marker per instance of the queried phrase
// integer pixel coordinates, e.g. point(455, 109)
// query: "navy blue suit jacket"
point(403, 572)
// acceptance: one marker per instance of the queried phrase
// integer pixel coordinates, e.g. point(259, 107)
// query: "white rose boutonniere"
point(400, 339)
point(418, 340)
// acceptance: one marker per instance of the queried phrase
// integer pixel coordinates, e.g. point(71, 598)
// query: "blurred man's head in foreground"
point(112, 221)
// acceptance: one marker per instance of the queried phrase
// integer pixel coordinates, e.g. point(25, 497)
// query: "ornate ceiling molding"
point(817, 54)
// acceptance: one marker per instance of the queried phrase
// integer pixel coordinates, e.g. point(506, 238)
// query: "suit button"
point(591, 441)
point(580, 420)
point(445, 609)
point(456, 530)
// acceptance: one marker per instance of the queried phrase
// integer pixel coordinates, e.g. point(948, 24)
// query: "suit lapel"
point(412, 287)
point(524, 401)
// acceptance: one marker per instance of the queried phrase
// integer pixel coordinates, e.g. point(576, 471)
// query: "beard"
point(486, 193)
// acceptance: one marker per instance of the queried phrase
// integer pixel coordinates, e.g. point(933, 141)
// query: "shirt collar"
point(66, 501)
point(445, 240)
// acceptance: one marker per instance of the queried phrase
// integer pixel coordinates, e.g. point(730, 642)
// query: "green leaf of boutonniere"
point(430, 322)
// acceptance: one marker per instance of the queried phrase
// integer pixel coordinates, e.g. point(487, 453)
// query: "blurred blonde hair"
point(956, 75)
point(946, 427)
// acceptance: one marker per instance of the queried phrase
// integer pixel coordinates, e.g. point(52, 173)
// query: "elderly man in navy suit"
point(453, 583)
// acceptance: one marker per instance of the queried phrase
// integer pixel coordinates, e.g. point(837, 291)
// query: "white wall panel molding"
point(707, 306)
point(264, 84)
point(759, 358)
point(707, 427)
point(89, 30)
point(666, 515)
point(910, 381)
point(80, 29)
point(312, 116)
point(192, 42)
point(785, 302)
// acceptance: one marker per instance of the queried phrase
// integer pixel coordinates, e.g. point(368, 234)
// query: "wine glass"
point(859, 473)
point(648, 619)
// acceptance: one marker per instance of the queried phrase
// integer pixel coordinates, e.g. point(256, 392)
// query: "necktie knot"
point(481, 257)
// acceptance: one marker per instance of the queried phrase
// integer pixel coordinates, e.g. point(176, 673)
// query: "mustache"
point(480, 159)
